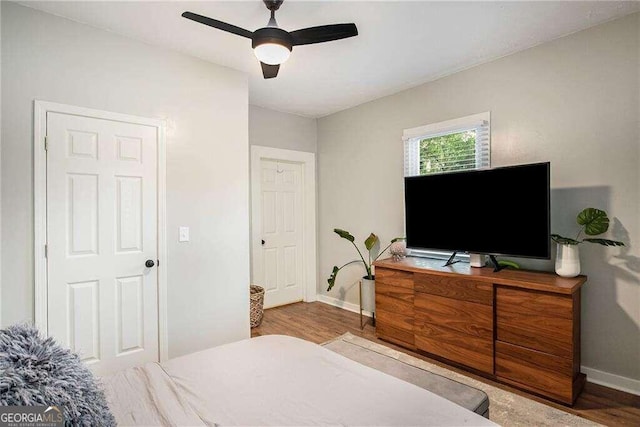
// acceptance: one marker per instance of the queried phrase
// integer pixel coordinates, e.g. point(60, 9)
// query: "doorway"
point(99, 237)
point(283, 224)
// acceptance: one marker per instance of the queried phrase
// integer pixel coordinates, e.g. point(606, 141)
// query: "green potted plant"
point(592, 222)
point(369, 243)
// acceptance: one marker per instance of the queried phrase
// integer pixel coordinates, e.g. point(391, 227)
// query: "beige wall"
point(282, 130)
point(574, 102)
point(206, 106)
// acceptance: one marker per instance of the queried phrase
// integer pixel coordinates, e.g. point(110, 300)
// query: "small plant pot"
point(567, 260)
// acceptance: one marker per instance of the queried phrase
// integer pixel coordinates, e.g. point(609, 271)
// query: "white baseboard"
point(612, 380)
point(342, 304)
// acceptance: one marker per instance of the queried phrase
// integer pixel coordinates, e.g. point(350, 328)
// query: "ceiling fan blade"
point(269, 71)
point(218, 24)
point(323, 33)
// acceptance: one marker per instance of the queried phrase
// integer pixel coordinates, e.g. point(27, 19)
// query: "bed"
point(274, 380)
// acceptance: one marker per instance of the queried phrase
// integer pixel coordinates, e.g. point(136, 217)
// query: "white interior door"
point(278, 261)
point(102, 213)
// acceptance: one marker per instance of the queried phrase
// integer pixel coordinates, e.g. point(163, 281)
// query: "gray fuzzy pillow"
point(37, 371)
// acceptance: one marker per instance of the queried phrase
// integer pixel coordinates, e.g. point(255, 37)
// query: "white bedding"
point(275, 380)
point(147, 397)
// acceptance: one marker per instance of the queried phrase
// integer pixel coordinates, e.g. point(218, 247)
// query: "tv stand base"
point(496, 265)
point(451, 260)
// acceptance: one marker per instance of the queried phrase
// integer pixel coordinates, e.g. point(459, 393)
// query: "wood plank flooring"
point(319, 322)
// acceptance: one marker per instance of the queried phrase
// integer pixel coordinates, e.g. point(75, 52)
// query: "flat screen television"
point(496, 211)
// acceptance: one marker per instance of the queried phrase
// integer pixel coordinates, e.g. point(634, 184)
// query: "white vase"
point(567, 260)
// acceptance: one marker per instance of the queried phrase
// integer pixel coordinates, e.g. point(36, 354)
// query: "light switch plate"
point(184, 234)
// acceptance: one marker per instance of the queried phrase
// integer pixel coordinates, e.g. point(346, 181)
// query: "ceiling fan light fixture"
point(272, 53)
point(272, 45)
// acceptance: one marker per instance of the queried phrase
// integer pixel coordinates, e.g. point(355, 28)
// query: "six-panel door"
point(102, 300)
point(278, 263)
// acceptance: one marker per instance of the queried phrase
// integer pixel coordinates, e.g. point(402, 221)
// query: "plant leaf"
point(564, 240)
point(397, 239)
point(344, 234)
point(595, 221)
point(371, 241)
point(605, 242)
point(332, 278)
point(508, 263)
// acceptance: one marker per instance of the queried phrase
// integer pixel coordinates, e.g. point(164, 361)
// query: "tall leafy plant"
point(369, 243)
point(592, 222)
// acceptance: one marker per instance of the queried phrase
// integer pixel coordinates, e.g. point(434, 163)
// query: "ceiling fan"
point(272, 45)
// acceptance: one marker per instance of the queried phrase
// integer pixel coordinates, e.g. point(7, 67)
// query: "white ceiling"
point(400, 45)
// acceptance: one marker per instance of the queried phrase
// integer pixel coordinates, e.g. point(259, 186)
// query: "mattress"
point(275, 380)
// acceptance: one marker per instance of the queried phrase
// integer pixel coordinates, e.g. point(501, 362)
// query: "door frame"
point(41, 108)
point(308, 162)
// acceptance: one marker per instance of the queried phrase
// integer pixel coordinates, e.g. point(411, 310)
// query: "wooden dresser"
point(514, 326)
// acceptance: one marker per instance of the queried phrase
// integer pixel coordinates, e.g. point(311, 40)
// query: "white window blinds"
point(448, 146)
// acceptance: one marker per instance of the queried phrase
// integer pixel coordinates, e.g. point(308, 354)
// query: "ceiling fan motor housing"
point(273, 5)
point(272, 35)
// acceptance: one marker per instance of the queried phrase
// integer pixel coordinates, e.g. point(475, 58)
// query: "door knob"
point(149, 263)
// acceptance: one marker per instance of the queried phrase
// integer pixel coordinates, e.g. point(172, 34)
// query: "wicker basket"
point(257, 303)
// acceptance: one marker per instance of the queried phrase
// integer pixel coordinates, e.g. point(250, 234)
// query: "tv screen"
point(498, 211)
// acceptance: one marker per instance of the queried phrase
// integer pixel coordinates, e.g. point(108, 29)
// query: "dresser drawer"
point(536, 371)
point(453, 287)
point(537, 359)
point(394, 305)
point(394, 326)
point(403, 279)
point(405, 294)
point(464, 349)
point(466, 317)
point(534, 303)
point(536, 321)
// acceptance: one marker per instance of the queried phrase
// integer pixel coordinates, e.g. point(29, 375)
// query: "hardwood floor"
point(319, 322)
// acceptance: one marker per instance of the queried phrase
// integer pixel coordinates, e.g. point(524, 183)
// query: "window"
point(453, 145)
point(448, 146)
